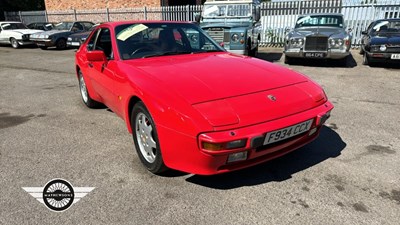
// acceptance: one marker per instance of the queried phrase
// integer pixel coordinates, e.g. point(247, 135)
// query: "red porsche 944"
point(192, 106)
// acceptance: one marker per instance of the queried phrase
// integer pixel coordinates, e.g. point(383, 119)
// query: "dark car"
point(381, 41)
point(75, 40)
point(41, 26)
point(58, 35)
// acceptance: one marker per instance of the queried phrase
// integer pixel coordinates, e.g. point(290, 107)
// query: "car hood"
point(52, 32)
point(390, 38)
point(207, 25)
point(24, 31)
point(325, 31)
point(229, 89)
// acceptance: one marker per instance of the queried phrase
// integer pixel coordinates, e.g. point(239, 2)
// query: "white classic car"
point(15, 33)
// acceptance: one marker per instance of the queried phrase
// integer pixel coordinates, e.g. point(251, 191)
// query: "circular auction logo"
point(58, 195)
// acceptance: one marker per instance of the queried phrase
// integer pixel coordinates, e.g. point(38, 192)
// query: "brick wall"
point(54, 5)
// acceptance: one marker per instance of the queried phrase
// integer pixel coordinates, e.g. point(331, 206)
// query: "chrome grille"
point(392, 49)
point(316, 44)
point(217, 34)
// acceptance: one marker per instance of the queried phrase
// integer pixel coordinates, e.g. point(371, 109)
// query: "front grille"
point(316, 44)
point(218, 34)
point(393, 49)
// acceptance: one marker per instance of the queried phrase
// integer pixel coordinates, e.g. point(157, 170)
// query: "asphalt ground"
point(349, 175)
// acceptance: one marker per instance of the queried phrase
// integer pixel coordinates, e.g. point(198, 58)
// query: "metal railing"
point(276, 17)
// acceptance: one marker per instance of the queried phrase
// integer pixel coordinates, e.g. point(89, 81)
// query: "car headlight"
point(297, 42)
point(25, 36)
point(69, 39)
point(382, 48)
point(338, 42)
point(235, 38)
point(46, 36)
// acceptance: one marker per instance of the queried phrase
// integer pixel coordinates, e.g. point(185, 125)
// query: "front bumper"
point(44, 42)
point(183, 153)
point(382, 56)
point(330, 54)
point(239, 52)
point(25, 42)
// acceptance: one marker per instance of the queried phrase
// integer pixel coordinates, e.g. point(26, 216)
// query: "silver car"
point(318, 36)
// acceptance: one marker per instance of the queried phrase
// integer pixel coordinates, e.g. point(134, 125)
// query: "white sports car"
point(15, 33)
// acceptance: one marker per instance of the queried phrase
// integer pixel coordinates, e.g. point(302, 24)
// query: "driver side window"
point(90, 45)
point(103, 42)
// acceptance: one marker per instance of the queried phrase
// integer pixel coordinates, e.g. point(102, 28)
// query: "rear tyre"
point(366, 60)
point(146, 139)
point(89, 102)
point(254, 52)
point(61, 44)
point(14, 43)
point(361, 50)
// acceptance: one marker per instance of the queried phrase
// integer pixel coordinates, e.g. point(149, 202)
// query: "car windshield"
point(145, 40)
point(13, 26)
point(386, 26)
point(63, 26)
point(320, 21)
point(232, 10)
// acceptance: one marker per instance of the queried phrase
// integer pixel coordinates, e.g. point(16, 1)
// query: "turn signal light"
point(224, 146)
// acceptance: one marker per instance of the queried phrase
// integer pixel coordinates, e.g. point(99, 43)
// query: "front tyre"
point(14, 43)
point(89, 102)
point(61, 44)
point(146, 139)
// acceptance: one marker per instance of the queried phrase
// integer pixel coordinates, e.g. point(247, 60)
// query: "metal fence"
point(276, 17)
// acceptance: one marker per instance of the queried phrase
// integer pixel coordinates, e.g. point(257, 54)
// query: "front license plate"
point(314, 55)
point(73, 43)
point(288, 132)
point(395, 56)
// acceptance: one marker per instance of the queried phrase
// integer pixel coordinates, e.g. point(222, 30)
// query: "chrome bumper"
point(330, 54)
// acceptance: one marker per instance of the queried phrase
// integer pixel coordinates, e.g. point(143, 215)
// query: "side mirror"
point(258, 14)
point(349, 30)
point(287, 30)
point(197, 17)
point(96, 56)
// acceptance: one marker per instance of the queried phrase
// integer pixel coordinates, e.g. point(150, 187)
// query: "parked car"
point(75, 40)
point(235, 25)
point(192, 106)
point(381, 41)
point(57, 37)
point(15, 33)
point(318, 36)
point(41, 26)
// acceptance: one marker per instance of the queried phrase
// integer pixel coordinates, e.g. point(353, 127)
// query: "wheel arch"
point(131, 103)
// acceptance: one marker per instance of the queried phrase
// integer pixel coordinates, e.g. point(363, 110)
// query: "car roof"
point(10, 22)
point(391, 19)
point(322, 14)
point(115, 24)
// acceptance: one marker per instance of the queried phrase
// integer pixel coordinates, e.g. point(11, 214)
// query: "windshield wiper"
point(167, 53)
point(204, 51)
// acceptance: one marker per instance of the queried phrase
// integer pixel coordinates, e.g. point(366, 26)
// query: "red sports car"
point(192, 106)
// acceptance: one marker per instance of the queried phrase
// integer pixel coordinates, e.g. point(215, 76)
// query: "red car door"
point(101, 72)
